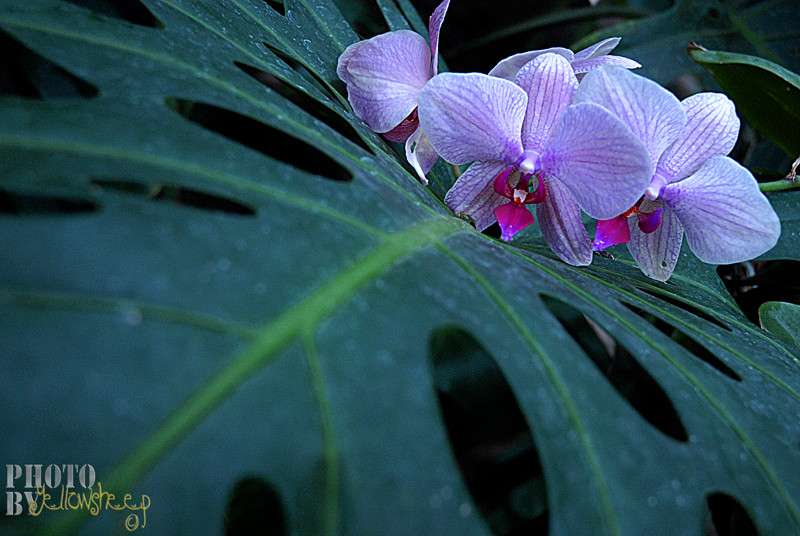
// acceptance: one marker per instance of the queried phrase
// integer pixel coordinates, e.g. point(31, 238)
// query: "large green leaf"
point(765, 93)
point(201, 314)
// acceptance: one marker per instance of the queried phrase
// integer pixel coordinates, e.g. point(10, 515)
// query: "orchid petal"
point(512, 218)
point(711, 130)
point(584, 66)
point(434, 27)
point(473, 117)
point(473, 193)
point(726, 217)
point(603, 163)
point(550, 84)
point(657, 253)
point(649, 110)
point(611, 232)
point(420, 154)
point(600, 48)
point(344, 59)
point(384, 75)
point(562, 227)
point(510, 66)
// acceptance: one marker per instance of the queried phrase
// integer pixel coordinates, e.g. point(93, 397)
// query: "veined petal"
point(600, 48)
point(344, 59)
point(512, 218)
point(434, 27)
point(600, 160)
point(657, 253)
point(473, 117)
point(510, 66)
point(649, 110)
point(726, 217)
point(711, 130)
point(550, 84)
point(561, 225)
point(590, 64)
point(473, 193)
point(384, 75)
point(420, 154)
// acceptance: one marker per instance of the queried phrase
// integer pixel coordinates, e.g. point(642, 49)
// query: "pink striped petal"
point(604, 165)
point(711, 130)
point(726, 217)
point(384, 75)
point(510, 66)
point(600, 48)
point(434, 27)
point(473, 193)
point(563, 230)
point(657, 253)
point(473, 117)
point(649, 110)
point(550, 84)
point(585, 66)
point(420, 154)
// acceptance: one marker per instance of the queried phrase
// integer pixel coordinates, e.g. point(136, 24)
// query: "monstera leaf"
point(222, 291)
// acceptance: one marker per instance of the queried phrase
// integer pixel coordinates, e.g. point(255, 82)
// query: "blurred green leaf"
point(764, 28)
point(215, 279)
point(782, 320)
point(765, 93)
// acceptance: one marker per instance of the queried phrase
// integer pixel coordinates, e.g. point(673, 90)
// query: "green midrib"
point(267, 343)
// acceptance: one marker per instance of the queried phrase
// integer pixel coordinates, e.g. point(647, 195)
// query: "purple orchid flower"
point(384, 75)
point(582, 62)
point(586, 157)
point(695, 189)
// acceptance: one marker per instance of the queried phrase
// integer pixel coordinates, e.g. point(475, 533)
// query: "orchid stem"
point(782, 184)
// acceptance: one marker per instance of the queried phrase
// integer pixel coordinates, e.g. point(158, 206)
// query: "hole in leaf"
point(726, 517)
point(686, 307)
point(277, 5)
point(179, 195)
point(754, 282)
point(311, 76)
point(307, 103)
point(490, 438)
point(254, 508)
point(624, 373)
point(691, 345)
point(43, 205)
point(25, 73)
point(260, 137)
point(132, 11)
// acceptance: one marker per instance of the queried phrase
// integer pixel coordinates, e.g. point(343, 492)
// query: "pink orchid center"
point(616, 231)
point(513, 216)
